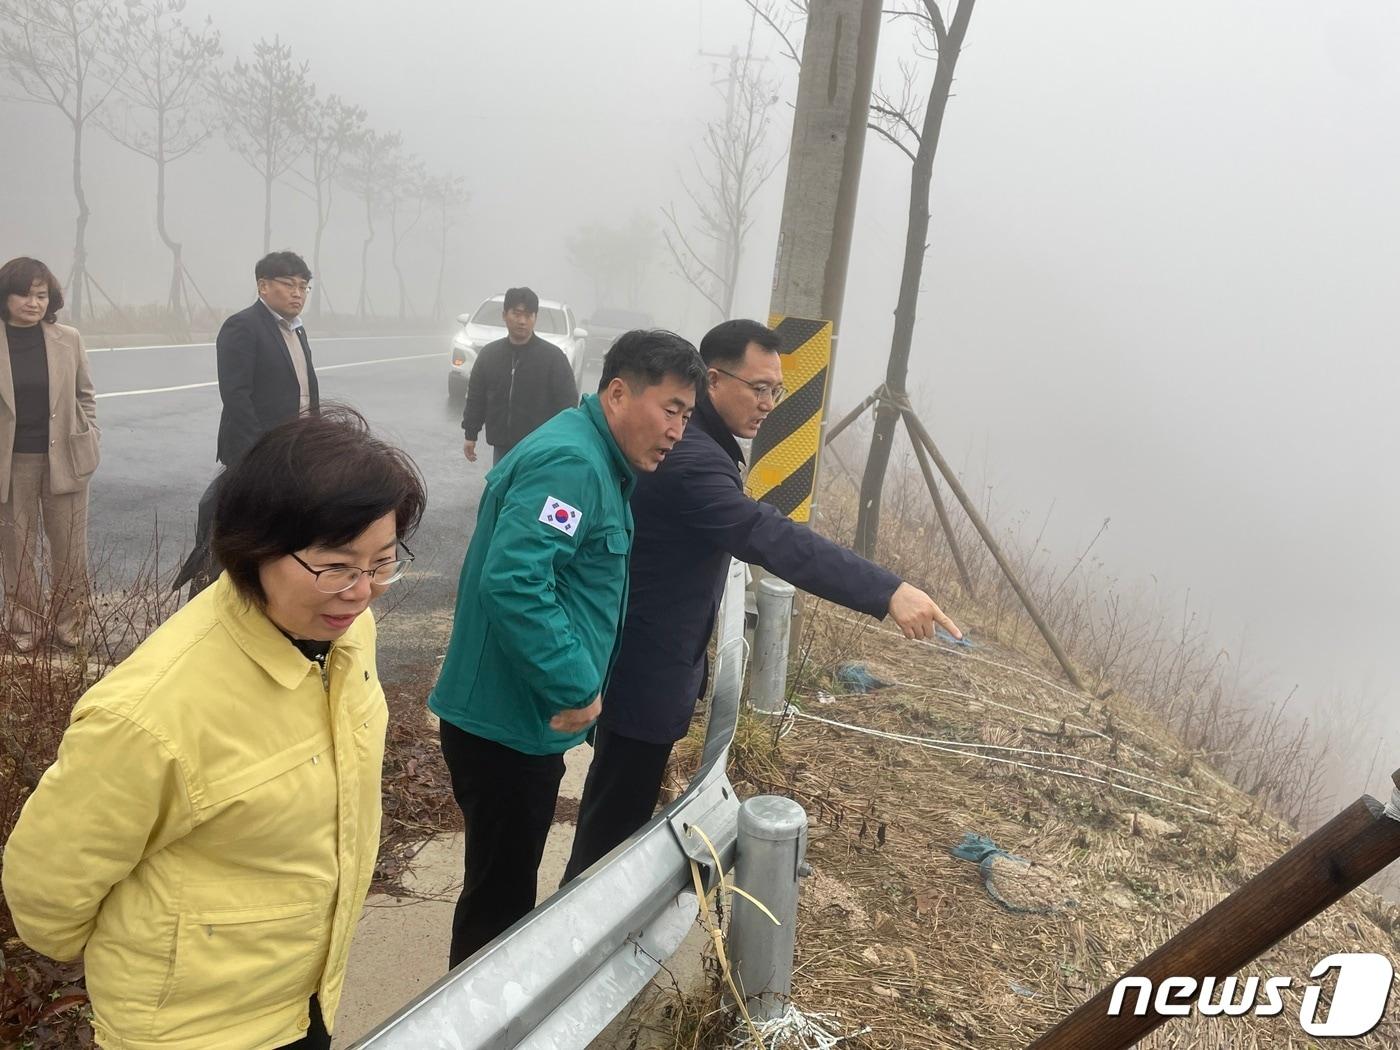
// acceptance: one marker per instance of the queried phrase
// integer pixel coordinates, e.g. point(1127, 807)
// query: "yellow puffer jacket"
point(207, 835)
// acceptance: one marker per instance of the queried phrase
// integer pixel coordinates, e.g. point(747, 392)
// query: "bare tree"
point(57, 54)
point(368, 170)
point(446, 195)
point(333, 130)
point(266, 102)
point(405, 194)
point(164, 104)
point(899, 121)
point(785, 18)
point(616, 258)
point(733, 171)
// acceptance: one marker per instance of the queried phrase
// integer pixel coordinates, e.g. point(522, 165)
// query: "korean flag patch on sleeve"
point(559, 515)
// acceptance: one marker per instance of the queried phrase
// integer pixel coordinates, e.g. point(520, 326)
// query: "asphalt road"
point(159, 412)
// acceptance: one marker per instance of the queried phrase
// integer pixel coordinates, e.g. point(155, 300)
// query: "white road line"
point(323, 368)
point(201, 346)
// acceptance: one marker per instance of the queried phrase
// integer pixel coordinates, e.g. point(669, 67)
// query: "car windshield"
point(550, 319)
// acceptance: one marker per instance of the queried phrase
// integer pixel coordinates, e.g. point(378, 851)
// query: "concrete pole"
point(824, 158)
point(768, 861)
point(768, 680)
point(823, 176)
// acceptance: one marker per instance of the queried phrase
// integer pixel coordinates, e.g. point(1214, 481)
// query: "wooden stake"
point(916, 429)
point(942, 510)
point(1311, 877)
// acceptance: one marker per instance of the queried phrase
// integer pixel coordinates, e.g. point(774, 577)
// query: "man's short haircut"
point(521, 297)
point(314, 481)
point(282, 264)
point(17, 277)
point(726, 342)
point(644, 357)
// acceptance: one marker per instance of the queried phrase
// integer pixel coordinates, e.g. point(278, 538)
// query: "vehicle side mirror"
point(464, 318)
point(580, 333)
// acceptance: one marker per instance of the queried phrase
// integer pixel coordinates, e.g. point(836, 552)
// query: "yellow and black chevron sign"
point(784, 456)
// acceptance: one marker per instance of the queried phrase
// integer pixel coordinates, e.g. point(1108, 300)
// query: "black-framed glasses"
point(293, 284)
point(342, 577)
point(762, 391)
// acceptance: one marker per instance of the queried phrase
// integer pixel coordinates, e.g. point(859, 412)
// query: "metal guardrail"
point(555, 979)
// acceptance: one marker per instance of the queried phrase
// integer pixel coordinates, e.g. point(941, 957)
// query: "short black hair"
point(318, 480)
point(521, 297)
point(645, 356)
point(282, 264)
point(17, 277)
point(727, 342)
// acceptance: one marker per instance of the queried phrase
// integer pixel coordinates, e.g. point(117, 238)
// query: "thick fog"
point(1160, 285)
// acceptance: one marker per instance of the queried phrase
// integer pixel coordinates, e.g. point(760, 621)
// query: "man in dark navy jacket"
point(691, 516)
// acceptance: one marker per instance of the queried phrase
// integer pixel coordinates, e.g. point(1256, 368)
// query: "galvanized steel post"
point(768, 860)
point(768, 684)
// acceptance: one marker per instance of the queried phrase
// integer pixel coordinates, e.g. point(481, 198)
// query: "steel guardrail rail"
point(560, 975)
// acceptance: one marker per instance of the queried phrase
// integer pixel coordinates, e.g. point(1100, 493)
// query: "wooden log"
point(1311, 877)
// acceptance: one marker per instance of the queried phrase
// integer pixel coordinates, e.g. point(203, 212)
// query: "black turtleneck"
point(311, 649)
point(29, 363)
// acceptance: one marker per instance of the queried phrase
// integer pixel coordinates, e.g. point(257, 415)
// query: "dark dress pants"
point(316, 1037)
point(507, 800)
point(619, 795)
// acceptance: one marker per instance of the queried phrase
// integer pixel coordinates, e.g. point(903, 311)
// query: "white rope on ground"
point(955, 651)
point(1042, 752)
point(794, 1030)
point(1006, 707)
point(921, 742)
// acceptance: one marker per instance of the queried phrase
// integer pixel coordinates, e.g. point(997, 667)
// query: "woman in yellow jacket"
point(206, 837)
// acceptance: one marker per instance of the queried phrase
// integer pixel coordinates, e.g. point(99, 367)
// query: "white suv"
point(556, 324)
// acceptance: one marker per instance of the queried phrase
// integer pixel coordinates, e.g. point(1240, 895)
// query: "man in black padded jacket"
point(517, 382)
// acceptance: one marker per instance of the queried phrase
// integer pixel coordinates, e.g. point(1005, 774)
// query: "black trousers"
point(316, 1037)
point(619, 795)
point(507, 800)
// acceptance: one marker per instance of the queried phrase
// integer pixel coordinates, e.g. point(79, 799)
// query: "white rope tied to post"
point(794, 1030)
point(1392, 808)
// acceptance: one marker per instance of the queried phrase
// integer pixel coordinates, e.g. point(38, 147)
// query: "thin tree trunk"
point(364, 258)
point(322, 218)
point(915, 245)
point(442, 268)
point(267, 210)
point(394, 258)
point(176, 301)
point(78, 283)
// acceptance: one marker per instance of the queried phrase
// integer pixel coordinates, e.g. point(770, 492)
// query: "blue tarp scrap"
point(983, 852)
point(962, 643)
point(856, 677)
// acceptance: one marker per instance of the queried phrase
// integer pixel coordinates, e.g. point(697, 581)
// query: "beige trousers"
point(32, 506)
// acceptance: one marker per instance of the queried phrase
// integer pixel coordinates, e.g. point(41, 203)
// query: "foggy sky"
point(1160, 285)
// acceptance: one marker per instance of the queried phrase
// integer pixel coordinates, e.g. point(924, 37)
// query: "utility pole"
point(814, 246)
point(828, 142)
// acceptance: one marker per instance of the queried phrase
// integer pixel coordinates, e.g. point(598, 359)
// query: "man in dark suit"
point(266, 375)
point(691, 516)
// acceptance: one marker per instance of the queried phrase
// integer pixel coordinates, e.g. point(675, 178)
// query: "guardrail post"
point(768, 685)
point(768, 860)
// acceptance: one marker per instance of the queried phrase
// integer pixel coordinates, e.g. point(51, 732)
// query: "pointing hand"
point(917, 615)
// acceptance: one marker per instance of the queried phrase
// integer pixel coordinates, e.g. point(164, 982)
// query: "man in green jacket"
point(539, 617)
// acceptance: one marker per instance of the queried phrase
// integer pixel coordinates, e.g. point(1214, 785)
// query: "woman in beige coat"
point(48, 451)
